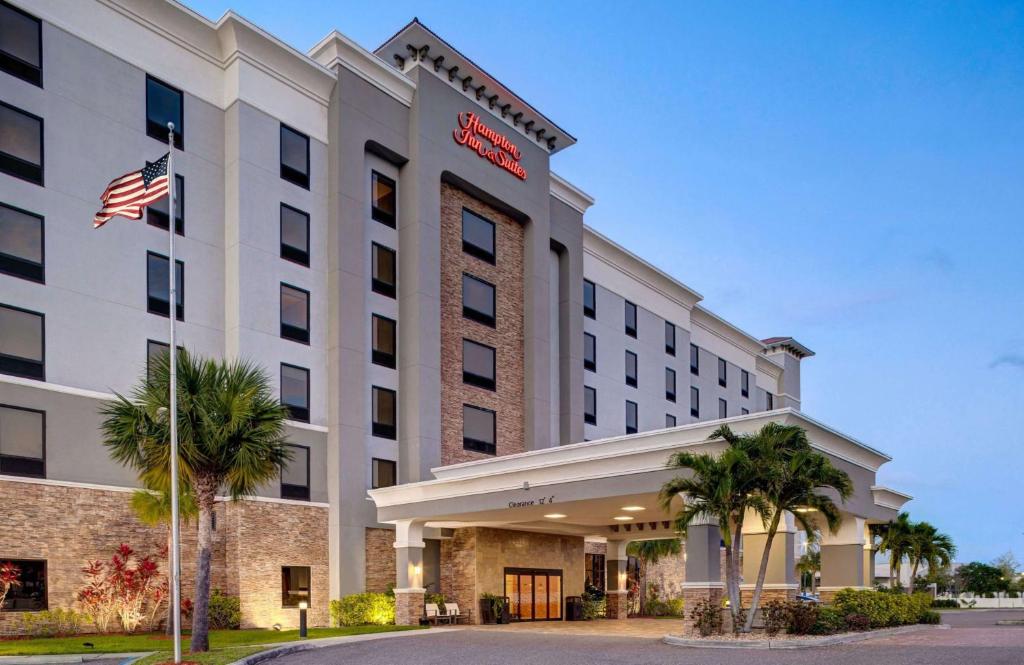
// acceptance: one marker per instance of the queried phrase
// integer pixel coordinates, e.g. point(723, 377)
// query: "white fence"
point(1001, 600)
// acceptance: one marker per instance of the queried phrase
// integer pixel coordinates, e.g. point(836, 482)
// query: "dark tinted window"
point(630, 319)
point(589, 299)
point(21, 144)
point(158, 291)
point(769, 401)
point(745, 383)
point(385, 413)
point(294, 313)
point(29, 595)
point(723, 408)
point(295, 391)
point(723, 369)
point(21, 44)
point(631, 418)
point(383, 281)
point(294, 235)
point(694, 402)
point(589, 405)
point(385, 473)
point(22, 441)
point(154, 353)
point(294, 157)
point(477, 236)
point(744, 411)
point(478, 300)
point(164, 104)
point(383, 199)
point(630, 369)
point(21, 243)
point(158, 213)
point(295, 585)
point(295, 475)
point(670, 384)
point(670, 339)
point(478, 365)
point(589, 352)
point(694, 359)
point(670, 420)
point(385, 341)
point(479, 429)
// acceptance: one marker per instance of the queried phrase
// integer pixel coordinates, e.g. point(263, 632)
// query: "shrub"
point(883, 609)
point(707, 618)
point(930, 617)
point(776, 616)
point(1013, 594)
point(857, 622)
point(362, 609)
point(128, 588)
point(830, 621)
point(802, 618)
point(671, 607)
point(225, 612)
point(50, 623)
point(945, 604)
point(9, 574)
point(593, 607)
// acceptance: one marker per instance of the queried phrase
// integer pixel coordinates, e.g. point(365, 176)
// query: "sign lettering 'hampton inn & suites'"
point(502, 152)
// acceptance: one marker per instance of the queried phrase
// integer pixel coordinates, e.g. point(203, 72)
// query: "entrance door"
point(534, 595)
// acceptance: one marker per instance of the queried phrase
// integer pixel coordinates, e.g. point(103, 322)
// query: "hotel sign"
point(488, 144)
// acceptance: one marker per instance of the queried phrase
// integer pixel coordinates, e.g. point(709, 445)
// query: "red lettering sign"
point(501, 152)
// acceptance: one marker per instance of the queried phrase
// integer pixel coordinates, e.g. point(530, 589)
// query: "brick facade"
point(380, 559)
point(507, 337)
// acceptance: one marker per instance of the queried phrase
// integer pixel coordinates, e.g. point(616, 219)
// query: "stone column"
point(616, 580)
point(780, 581)
point(845, 558)
point(409, 591)
point(703, 561)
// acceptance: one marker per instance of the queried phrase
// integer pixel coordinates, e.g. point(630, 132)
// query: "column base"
point(409, 606)
point(695, 594)
point(616, 606)
point(768, 593)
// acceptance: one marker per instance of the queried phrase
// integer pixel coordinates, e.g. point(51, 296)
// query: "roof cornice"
point(726, 331)
point(569, 194)
point(338, 50)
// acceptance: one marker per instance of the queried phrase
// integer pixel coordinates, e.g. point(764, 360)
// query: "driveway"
point(973, 640)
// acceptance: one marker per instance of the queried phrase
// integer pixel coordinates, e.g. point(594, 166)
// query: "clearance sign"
point(498, 150)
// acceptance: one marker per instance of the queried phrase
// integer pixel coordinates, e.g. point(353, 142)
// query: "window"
point(158, 297)
point(769, 401)
point(21, 144)
point(694, 359)
point(22, 441)
point(477, 236)
point(478, 364)
point(670, 420)
point(21, 44)
point(478, 300)
point(745, 411)
point(383, 196)
point(670, 384)
point(295, 474)
point(631, 417)
point(294, 235)
point(722, 372)
point(21, 242)
point(383, 281)
point(154, 351)
point(631, 369)
point(630, 319)
point(745, 383)
point(385, 473)
point(30, 594)
point(385, 413)
point(294, 313)
point(589, 299)
point(295, 583)
point(479, 429)
point(294, 157)
point(385, 341)
point(694, 402)
point(595, 570)
point(295, 391)
point(22, 343)
point(589, 405)
point(158, 212)
point(723, 408)
point(670, 339)
point(164, 104)
point(589, 352)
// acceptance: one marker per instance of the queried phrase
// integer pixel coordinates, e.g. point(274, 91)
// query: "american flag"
point(129, 194)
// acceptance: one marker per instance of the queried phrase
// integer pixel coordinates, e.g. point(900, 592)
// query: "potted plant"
point(493, 609)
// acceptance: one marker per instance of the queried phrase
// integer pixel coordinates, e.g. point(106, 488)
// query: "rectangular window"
point(631, 417)
point(22, 441)
point(479, 429)
point(21, 44)
point(158, 213)
point(294, 157)
point(694, 402)
point(295, 474)
point(29, 595)
point(589, 405)
point(294, 313)
point(589, 352)
point(154, 351)
point(158, 291)
point(670, 420)
point(670, 384)
point(478, 364)
point(22, 343)
point(723, 369)
point(723, 408)
point(384, 280)
point(385, 341)
point(295, 391)
point(21, 144)
point(385, 413)
point(595, 570)
point(589, 299)
point(21, 242)
point(745, 383)
point(295, 584)
point(769, 401)
point(478, 302)
point(631, 369)
point(694, 359)
point(477, 236)
point(670, 338)
point(745, 411)
point(385, 473)
point(383, 199)
point(164, 104)
point(630, 319)
point(294, 235)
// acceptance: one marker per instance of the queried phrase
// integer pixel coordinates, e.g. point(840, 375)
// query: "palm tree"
point(650, 552)
point(720, 489)
point(230, 436)
point(928, 545)
point(153, 508)
point(897, 540)
point(792, 476)
point(810, 564)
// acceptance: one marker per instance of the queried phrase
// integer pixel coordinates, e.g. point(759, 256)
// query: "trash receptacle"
point(574, 608)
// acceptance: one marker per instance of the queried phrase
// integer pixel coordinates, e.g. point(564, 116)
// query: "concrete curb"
point(826, 641)
point(308, 645)
point(72, 658)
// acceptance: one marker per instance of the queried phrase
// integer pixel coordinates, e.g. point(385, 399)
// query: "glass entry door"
point(534, 595)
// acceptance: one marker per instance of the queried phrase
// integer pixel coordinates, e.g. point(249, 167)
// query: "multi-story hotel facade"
point(483, 390)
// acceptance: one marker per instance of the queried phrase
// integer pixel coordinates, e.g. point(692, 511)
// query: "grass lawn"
point(219, 639)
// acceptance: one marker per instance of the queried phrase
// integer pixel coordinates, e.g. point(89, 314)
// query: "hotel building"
point(483, 390)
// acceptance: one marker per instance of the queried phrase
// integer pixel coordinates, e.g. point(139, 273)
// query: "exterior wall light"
point(303, 606)
point(623, 518)
point(555, 516)
point(633, 509)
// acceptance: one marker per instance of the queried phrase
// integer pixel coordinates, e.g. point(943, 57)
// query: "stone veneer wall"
point(668, 575)
point(380, 559)
point(507, 337)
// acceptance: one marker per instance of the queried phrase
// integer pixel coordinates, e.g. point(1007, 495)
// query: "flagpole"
point(173, 403)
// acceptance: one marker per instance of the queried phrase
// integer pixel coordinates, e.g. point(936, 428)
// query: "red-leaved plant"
point(9, 574)
point(127, 587)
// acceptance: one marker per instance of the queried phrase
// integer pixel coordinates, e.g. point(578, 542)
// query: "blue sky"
point(851, 174)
